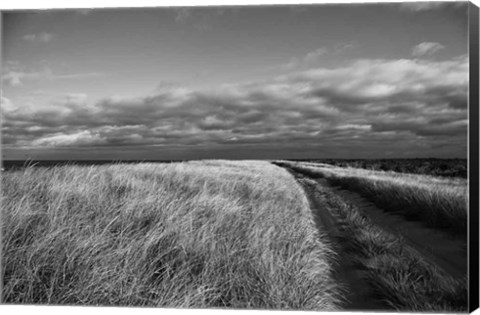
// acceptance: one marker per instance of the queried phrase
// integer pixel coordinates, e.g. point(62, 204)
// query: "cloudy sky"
point(310, 81)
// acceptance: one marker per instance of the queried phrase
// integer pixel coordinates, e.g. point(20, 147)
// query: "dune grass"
point(438, 202)
point(400, 277)
point(196, 234)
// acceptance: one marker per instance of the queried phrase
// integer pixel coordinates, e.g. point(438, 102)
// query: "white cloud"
point(13, 78)
point(426, 49)
point(7, 106)
point(60, 140)
point(42, 37)
point(421, 6)
point(15, 74)
point(76, 97)
point(353, 126)
point(312, 57)
point(182, 15)
point(199, 19)
point(372, 79)
point(309, 59)
point(431, 5)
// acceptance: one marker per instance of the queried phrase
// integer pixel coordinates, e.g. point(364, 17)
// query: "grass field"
point(218, 233)
point(196, 234)
point(439, 202)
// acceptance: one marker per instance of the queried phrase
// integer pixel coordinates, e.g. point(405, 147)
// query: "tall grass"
point(439, 202)
point(399, 276)
point(197, 234)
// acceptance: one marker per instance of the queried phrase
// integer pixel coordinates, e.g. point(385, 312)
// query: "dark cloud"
point(367, 105)
point(435, 127)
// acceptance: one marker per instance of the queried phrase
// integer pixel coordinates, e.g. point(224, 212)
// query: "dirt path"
point(440, 249)
point(358, 296)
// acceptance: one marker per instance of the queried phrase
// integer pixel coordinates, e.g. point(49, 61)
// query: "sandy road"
point(446, 252)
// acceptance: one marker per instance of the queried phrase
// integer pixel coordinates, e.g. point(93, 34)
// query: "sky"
point(246, 82)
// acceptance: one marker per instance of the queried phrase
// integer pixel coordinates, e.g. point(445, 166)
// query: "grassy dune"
point(197, 234)
point(439, 202)
point(400, 278)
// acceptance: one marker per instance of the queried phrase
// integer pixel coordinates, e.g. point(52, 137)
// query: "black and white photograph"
point(288, 157)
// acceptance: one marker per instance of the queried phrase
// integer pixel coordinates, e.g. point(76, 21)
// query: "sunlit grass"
point(197, 234)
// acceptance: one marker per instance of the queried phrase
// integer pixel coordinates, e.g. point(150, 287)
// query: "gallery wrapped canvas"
point(308, 157)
